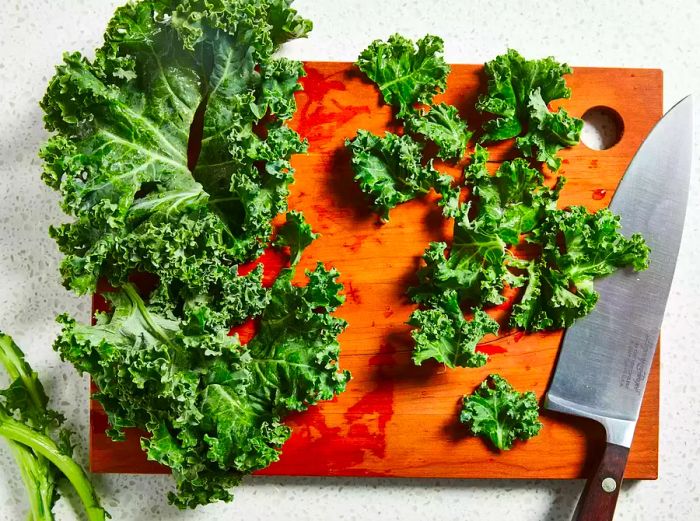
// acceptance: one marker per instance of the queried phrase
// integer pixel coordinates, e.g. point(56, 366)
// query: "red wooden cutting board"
point(397, 419)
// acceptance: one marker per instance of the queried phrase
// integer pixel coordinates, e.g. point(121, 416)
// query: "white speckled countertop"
point(646, 33)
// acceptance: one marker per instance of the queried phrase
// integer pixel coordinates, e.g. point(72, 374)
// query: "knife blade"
point(605, 357)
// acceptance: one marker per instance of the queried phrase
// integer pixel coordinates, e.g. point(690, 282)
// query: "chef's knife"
point(605, 357)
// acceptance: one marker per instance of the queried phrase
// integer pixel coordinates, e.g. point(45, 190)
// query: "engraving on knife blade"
point(634, 372)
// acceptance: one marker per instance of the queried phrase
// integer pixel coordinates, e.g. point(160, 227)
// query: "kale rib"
point(46, 447)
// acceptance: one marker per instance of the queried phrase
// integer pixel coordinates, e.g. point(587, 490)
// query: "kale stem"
point(35, 470)
point(39, 491)
point(13, 359)
point(45, 446)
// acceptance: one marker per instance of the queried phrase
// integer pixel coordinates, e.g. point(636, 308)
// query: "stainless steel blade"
point(605, 357)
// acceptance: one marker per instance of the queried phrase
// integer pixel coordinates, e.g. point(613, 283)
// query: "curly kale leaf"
point(548, 132)
point(153, 374)
point(295, 353)
point(406, 73)
point(213, 407)
point(514, 198)
point(519, 91)
point(443, 126)
point(389, 170)
point(499, 413)
point(510, 202)
point(296, 234)
point(577, 247)
point(442, 333)
point(474, 266)
point(122, 126)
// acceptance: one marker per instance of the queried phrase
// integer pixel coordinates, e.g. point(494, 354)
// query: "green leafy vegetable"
point(42, 450)
point(474, 266)
point(499, 413)
point(571, 248)
point(514, 199)
point(120, 153)
point(406, 73)
point(548, 132)
point(519, 91)
point(443, 126)
point(444, 334)
point(213, 407)
point(390, 172)
point(146, 195)
point(510, 203)
point(296, 234)
point(577, 247)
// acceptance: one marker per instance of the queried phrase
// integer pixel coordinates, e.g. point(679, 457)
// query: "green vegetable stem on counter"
point(42, 449)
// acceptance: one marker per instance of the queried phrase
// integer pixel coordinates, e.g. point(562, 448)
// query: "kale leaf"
point(577, 247)
point(389, 170)
point(499, 413)
point(119, 155)
point(406, 73)
point(515, 198)
point(443, 126)
point(442, 333)
point(518, 95)
point(213, 407)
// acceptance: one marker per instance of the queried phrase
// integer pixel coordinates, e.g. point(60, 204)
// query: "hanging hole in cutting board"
point(602, 128)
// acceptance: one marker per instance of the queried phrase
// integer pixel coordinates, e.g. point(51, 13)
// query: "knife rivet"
point(609, 485)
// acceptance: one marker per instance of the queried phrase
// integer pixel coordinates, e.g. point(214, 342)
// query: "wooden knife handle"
point(597, 503)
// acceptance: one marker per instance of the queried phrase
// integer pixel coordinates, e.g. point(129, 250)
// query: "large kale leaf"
point(443, 126)
point(212, 406)
point(119, 155)
point(518, 95)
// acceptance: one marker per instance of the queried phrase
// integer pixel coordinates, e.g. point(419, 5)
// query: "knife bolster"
point(617, 430)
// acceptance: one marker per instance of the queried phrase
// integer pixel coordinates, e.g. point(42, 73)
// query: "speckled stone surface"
point(646, 33)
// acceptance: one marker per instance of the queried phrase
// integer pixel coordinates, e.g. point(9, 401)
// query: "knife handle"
point(597, 503)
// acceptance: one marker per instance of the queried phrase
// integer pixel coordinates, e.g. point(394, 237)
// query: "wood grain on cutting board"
point(397, 419)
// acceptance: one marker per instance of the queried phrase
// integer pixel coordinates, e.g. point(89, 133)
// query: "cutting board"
point(397, 419)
